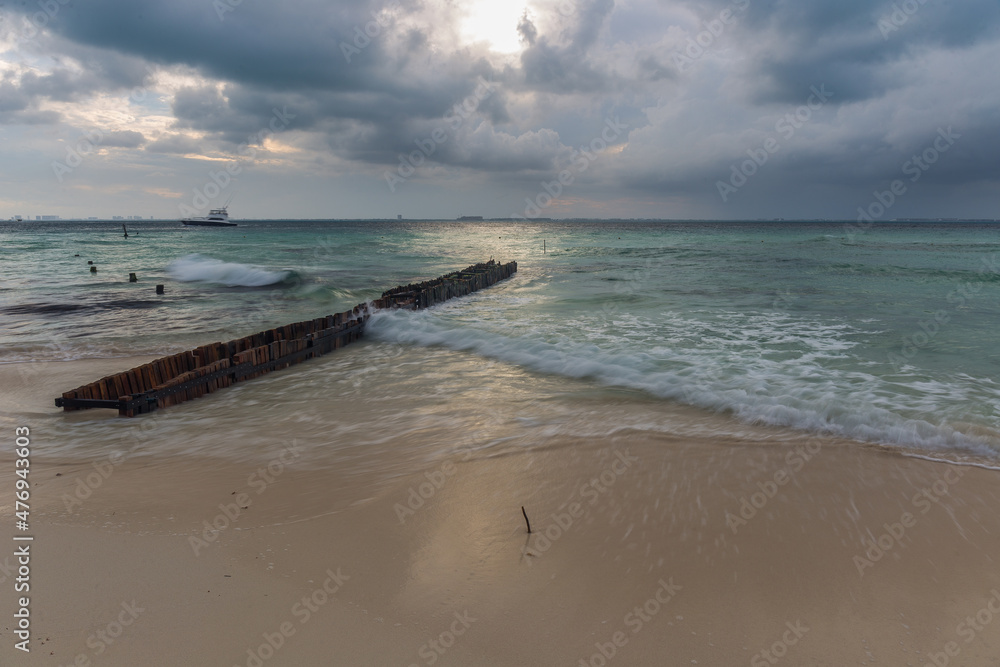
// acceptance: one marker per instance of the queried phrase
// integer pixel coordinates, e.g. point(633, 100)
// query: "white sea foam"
point(802, 391)
point(198, 268)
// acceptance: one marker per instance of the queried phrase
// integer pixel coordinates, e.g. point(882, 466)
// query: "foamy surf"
point(798, 391)
point(198, 268)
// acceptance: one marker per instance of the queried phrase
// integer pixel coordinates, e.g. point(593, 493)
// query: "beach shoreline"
point(652, 549)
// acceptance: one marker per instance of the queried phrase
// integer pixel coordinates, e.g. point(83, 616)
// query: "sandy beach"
point(644, 550)
point(551, 333)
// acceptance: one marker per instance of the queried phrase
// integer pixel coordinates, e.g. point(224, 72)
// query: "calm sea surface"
point(884, 336)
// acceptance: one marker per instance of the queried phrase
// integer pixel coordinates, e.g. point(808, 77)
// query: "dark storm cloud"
point(370, 98)
point(93, 70)
point(77, 73)
point(526, 29)
point(792, 45)
point(12, 98)
point(18, 107)
point(312, 59)
point(61, 85)
point(123, 139)
point(652, 69)
point(564, 63)
point(265, 43)
point(899, 71)
point(557, 69)
point(292, 47)
point(395, 86)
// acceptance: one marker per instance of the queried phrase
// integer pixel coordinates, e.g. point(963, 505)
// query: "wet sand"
point(645, 550)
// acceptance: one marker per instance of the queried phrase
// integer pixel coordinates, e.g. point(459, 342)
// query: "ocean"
point(754, 331)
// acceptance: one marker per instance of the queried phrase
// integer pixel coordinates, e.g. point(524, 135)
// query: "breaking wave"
point(198, 268)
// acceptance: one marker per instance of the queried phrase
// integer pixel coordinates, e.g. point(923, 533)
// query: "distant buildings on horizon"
point(479, 218)
point(41, 218)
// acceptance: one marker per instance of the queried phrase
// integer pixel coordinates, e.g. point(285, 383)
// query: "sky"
point(682, 109)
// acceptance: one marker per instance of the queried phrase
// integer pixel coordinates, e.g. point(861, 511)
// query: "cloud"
point(181, 144)
point(123, 139)
point(363, 83)
point(562, 63)
point(18, 107)
point(19, 117)
point(488, 149)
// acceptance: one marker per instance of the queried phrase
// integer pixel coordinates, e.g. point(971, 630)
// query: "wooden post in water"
point(180, 377)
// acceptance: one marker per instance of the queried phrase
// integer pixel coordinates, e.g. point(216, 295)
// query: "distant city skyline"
point(138, 218)
point(547, 109)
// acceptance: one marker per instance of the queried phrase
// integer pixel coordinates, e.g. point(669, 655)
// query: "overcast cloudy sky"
point(555, 108)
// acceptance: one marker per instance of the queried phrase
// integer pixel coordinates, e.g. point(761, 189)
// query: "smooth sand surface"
point(632, 557)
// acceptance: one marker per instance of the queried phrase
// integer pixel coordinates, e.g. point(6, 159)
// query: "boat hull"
point(207, 223)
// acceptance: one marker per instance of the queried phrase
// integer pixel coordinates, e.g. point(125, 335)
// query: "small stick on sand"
point(526, 519)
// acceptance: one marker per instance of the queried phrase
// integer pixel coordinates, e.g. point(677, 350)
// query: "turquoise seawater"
point(885, 335)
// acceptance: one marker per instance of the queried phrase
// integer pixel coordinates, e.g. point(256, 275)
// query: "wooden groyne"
point(181, 377)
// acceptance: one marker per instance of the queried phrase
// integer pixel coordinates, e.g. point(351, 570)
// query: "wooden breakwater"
point(203, 370)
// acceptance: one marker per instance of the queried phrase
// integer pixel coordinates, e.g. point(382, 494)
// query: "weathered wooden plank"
point(292, 343)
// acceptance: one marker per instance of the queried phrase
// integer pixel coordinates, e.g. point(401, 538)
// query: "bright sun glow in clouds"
point(493, 22)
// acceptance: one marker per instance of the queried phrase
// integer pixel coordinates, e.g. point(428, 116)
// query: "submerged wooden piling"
point(180, 377)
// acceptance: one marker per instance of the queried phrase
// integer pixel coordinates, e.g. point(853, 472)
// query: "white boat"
point(217, 217)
